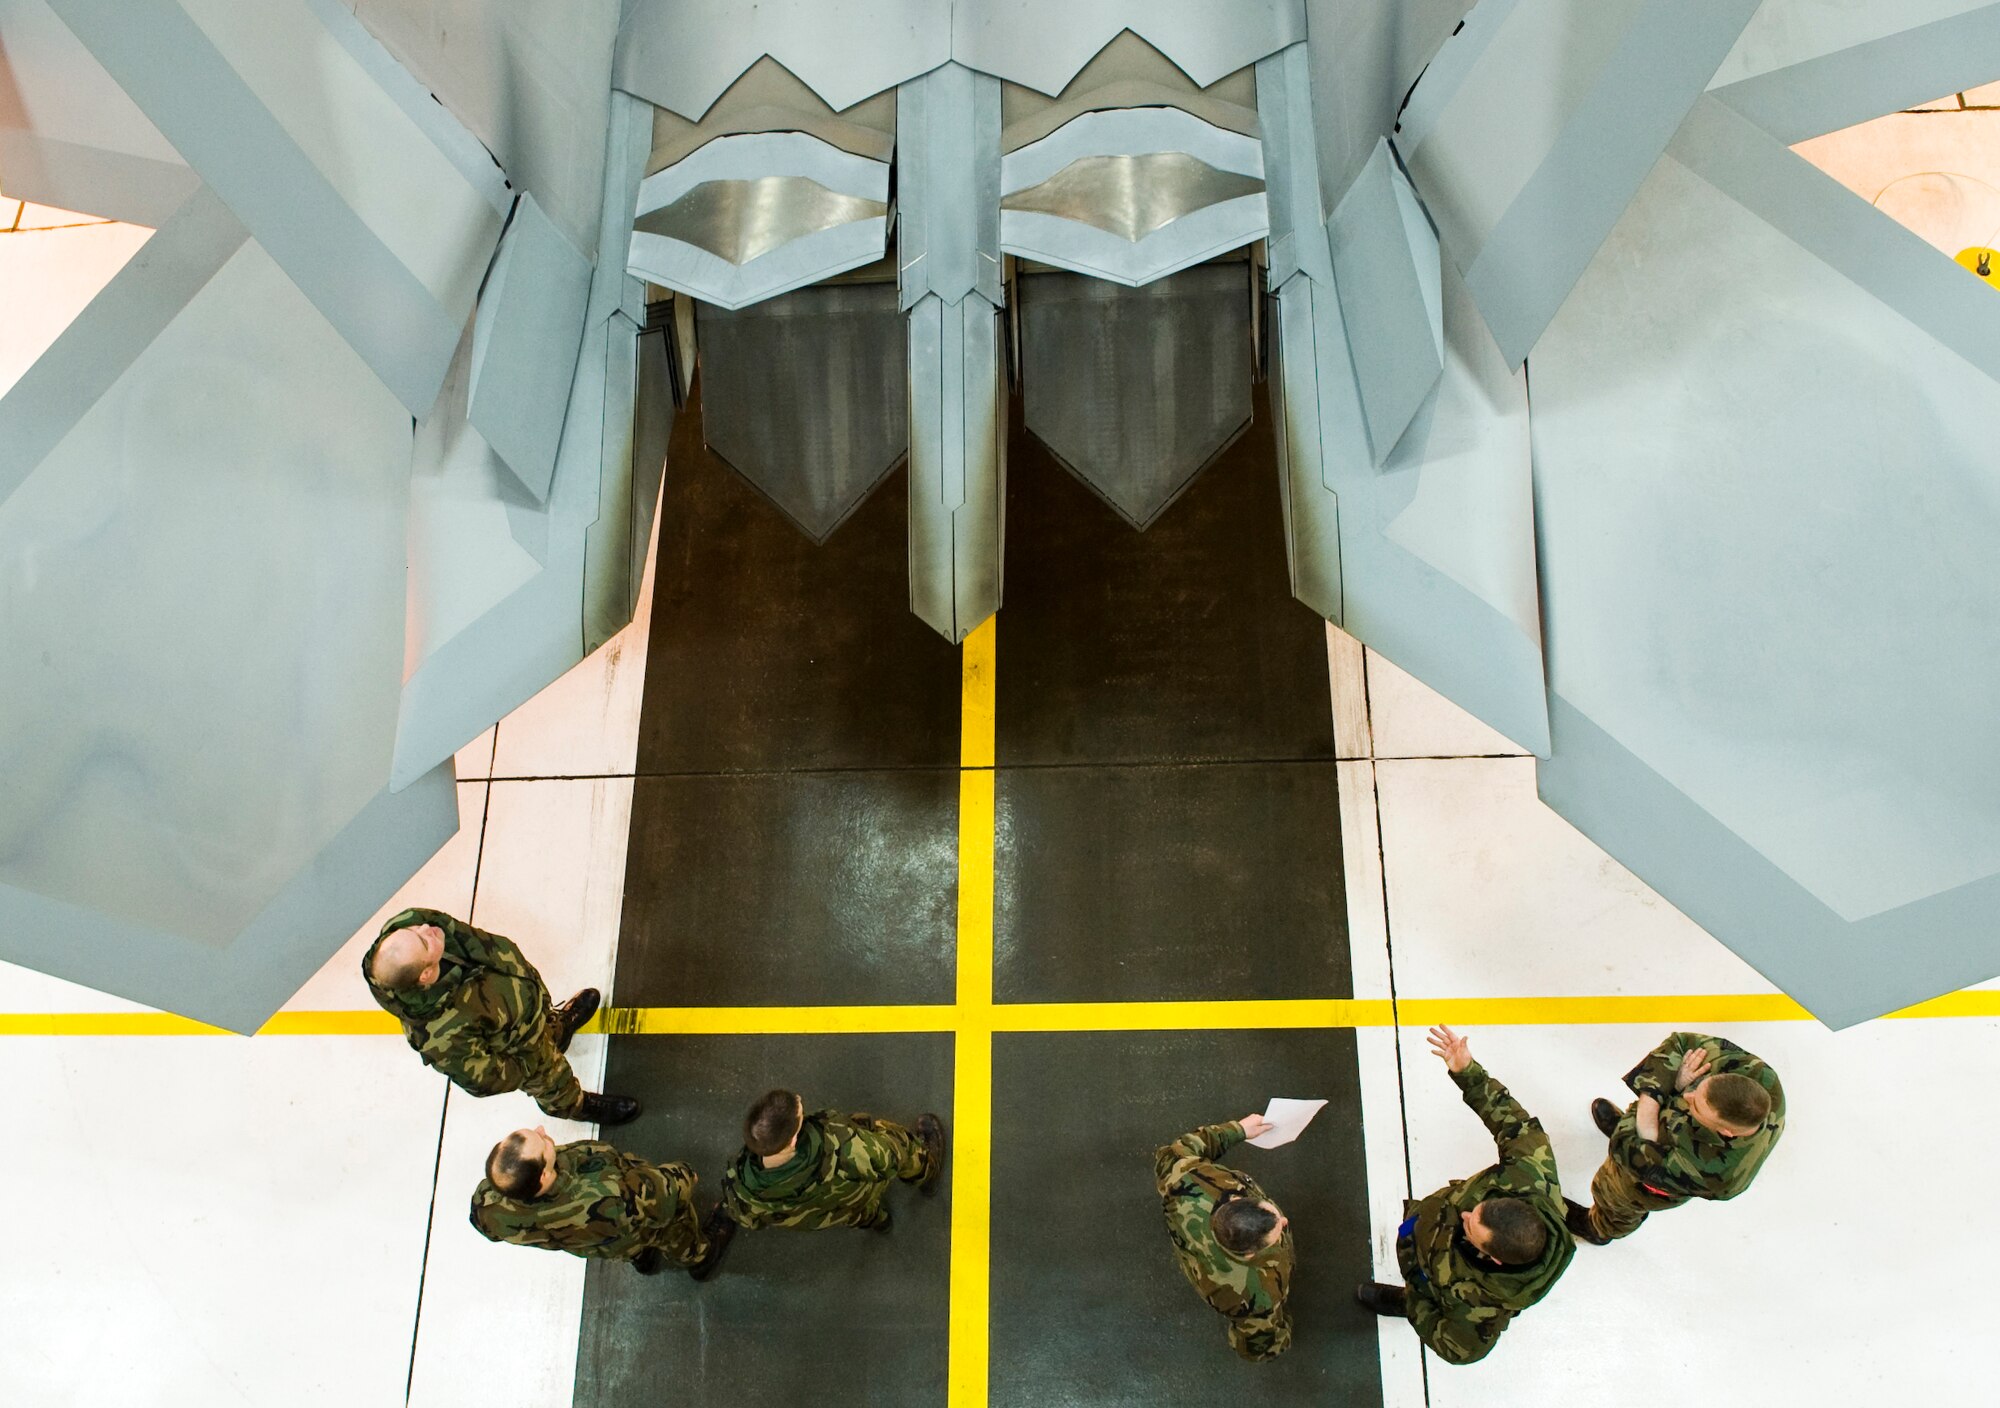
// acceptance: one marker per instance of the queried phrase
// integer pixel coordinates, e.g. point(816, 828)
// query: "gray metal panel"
point(750, 216)
point(112, 332)
point(1864, 80)
point(689, 269)
point(174, 71)
point(1527, 154)
point(1192, 239)
point(804, 395)
point(1042, 44)
point(239, 986)
point(1842, 973)
point(496, 580)
point(451, 137)
point(739, 220)
point(958, 463)
point(1441, 538)
point(58, 92)
point(500, 579)
point(547, 133)
point(1365, 55)
point(1787, 33)
point(1301, 273)
point(1136, 390)
point(770, 98)
point(1173, 195)
point(627, 145)
point(206, 573)
point(1133, 195)
point(524, 344)
point(1770, 630)
point(1437, 547)
point(1862, 243)
point(135, 189)
point(608, 588)
point(682, 54)
point(1291, 170)
point(948, 186)
point(1385, 257)
point(1312, 510)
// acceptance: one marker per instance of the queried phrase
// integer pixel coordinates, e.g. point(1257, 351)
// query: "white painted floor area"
point(280, 1222)
point(1847, 1274)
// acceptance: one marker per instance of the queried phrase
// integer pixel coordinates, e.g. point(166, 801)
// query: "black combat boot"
point(649, 1262)
point(1576, 1217)
point(1606, 1116)
point(719, 1227)
point(931, 1130)
point(575, 1013)
point(1383, 1300)
point(607, 1109)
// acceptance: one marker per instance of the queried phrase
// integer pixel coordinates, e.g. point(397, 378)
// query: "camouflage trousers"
point(1619, 1202)
point(680, 1238)
point(892, 1152)
point(1263, 1336)
point(539, 1070)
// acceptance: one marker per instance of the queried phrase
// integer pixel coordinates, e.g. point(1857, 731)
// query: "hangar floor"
point(282, 1220)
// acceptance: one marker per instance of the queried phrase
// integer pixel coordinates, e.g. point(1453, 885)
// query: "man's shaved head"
point(408, 958)
point(520, 1162)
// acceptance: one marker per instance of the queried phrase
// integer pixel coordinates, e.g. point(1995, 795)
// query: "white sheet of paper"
point(1288, 1118)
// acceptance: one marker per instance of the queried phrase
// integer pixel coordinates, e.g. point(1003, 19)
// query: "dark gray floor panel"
point(837, 1318)
point(1129, 884)
point(1182, 642)
point(1089, 1309)
point(797, 889)
point(769, 652)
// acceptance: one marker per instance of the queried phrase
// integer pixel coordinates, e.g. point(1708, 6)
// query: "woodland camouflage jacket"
point(604, 1203)
point(1250, 1291)
point(844, 1164)
point(485, 1016)
point(1459, 1300)
point(1691, 1160)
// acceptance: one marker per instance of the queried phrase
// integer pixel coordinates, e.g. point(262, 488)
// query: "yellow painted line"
point(1187, 1016)
point(971, 1218)
point(978, 695)
point(760, 1021)
point(968, 1343)
point(1968, 1003)
point(102, 1024)
point(373, 1022)
point(974, 1015)
point(1669, 1010)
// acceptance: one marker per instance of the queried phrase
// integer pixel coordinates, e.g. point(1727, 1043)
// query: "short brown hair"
point(1241, 1225)
point(512, 1171)
point(1516, 1235)
point(1739, 1101)
point(773, 1122)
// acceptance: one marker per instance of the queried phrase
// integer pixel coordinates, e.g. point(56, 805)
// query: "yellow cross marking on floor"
point(973, 1018)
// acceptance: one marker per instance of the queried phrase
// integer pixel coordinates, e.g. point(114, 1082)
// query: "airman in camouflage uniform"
point(591, 1200)
point(1704, 1135)
point(474, 1008)
point(1479, 1251)
point(1249, 1287)
point(826, 1169)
